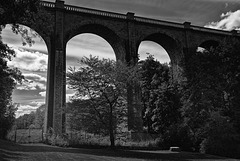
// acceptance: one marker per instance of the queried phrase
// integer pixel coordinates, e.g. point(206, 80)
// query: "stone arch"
point(109, 35)
point(172, 46)
point(208, 44)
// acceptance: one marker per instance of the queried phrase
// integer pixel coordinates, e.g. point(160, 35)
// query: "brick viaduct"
point(124, 32)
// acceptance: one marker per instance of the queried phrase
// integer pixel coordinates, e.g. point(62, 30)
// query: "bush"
point(57, 140)
point(176, 135)
point(221, 139)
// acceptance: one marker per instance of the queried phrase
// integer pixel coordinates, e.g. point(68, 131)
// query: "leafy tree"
point(39, 116)
point(157, 90)
point(229, 51)
point(153, 75)
point(211, 97)
point(23, 122)
point(220, 137)
point(100, 93)
point(161, 99)
point(203, 93)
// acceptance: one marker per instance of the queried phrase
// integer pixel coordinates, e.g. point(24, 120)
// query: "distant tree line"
point(34, 119)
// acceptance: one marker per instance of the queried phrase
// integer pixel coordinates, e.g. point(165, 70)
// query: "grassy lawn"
point(34, 152)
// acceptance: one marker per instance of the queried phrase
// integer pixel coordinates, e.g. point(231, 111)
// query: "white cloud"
point(155, 49)
point(30, 61)
point(229, 21)
point(25, 109)
point(68, 97)
point(31, 85)
point(36, 103)
point(43, 94)
point(34, 77)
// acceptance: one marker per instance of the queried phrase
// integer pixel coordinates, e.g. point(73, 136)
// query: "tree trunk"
point(111, 129)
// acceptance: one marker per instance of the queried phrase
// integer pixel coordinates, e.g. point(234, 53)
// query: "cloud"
point(36, 103)
point(229, 21)
point(31, 86)
point(155, 49)
point(68, 97)
point(88, 44)
point(29, 61)
point(32, 82)
point(25, 109)
point(35, 77)
point(43, 94)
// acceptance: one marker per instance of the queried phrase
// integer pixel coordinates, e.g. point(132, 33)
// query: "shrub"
point(176, 135)
point(57, 140)
point(221, 138)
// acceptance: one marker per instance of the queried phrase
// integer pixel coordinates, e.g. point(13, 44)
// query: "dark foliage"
point(211, 99)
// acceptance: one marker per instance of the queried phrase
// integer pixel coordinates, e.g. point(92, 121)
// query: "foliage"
point(7, 119)
point(39, 116)
point(24, 122)
point(8, 80)
point(154, 77)
point(57, 140)
point(166, 112)
point(101, 87)
point(221, 137)
point(34, 118)
point(161, 99)
point(203, 93)
point(211, 98)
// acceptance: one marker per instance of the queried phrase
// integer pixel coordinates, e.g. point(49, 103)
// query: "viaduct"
point(124, 32)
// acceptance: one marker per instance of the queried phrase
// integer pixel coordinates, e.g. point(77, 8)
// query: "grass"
point(10, 151)
point(86, 140)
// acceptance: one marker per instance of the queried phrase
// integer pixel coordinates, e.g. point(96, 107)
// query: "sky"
point(32, 61)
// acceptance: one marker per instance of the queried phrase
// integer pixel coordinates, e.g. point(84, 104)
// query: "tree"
point(15, 11)
point(161, 99)
point(211, 97)
point(39, 116)
point(101, 91)
point(154, 76)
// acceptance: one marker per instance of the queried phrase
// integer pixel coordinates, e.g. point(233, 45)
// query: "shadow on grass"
point(6, 155)
point(10, 150)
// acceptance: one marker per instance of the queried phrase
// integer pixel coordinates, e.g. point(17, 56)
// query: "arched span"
point(104, 32)
point(173, 49)
point(209, 44)
point(168, 43)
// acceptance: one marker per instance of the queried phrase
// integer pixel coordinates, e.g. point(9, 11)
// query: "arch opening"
point(207, 45)
point(164, 44)
point(32, 61)
point(150, 47)
point(86, 44)
point(105, 33)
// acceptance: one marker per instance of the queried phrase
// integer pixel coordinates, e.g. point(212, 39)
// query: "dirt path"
point(40, 152)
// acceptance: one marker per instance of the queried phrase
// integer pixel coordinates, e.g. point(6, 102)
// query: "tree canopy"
point(101, 87)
